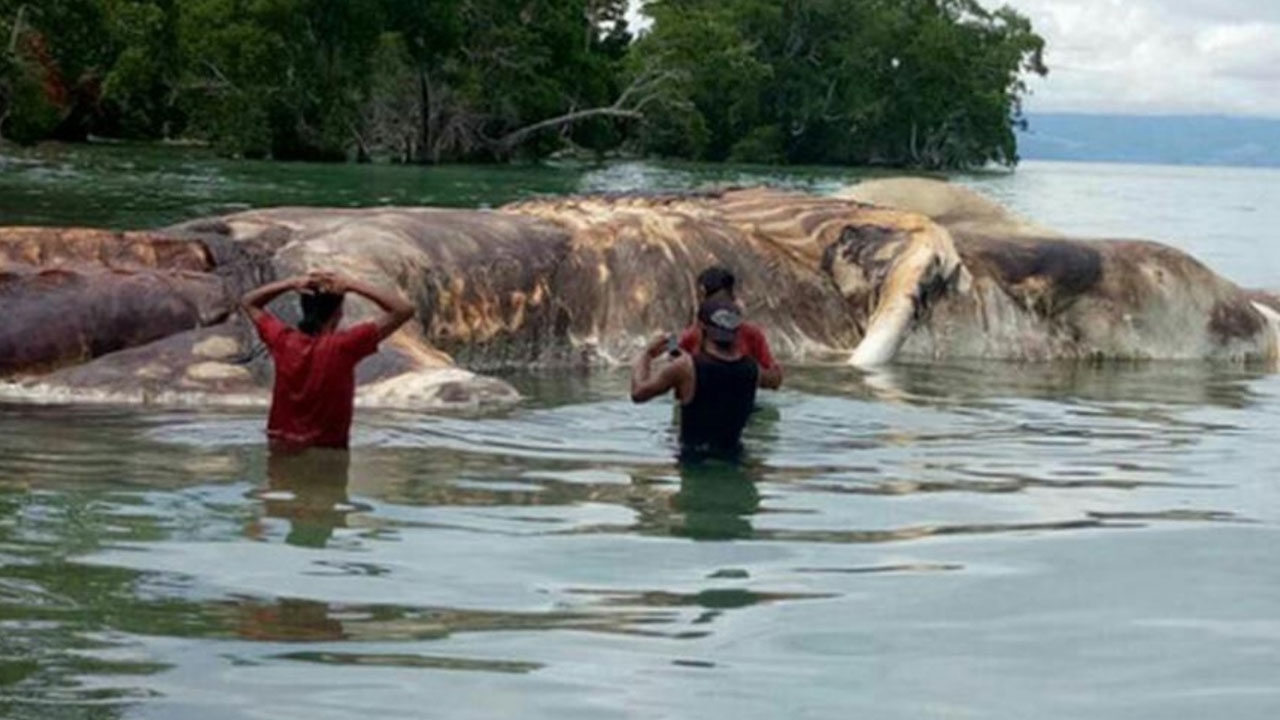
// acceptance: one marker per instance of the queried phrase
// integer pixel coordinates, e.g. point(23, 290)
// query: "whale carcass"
point(890, 269)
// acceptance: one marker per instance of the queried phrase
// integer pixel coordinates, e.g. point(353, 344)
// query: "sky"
point(1197, 57)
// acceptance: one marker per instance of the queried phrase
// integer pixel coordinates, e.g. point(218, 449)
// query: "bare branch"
point(218, 73)
point(646, 87)
point(17, 28)
point(512, 139)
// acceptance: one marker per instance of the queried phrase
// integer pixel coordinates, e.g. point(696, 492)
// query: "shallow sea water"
point(959, 541)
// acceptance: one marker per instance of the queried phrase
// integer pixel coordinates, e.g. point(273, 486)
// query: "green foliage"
point(29, 115)
point(489, 67)
point(393, 110)
point(765, 145)
point(136, 89)
point(932, 83)
point(720, 76)
point(289, 71)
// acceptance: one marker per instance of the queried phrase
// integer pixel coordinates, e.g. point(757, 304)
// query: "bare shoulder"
point(683, 364)
point(684, 377)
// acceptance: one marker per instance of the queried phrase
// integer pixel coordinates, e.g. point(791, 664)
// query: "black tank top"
point(723, 399)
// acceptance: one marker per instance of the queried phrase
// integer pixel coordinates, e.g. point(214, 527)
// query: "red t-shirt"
point(315, 388)
point(751, 342)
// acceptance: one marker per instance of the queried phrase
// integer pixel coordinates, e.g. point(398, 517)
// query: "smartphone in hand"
point(673, 345)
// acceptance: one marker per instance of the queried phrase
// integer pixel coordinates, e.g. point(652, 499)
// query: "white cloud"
point(1158, 56)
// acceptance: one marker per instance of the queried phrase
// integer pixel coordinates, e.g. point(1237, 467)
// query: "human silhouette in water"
point(309, 489)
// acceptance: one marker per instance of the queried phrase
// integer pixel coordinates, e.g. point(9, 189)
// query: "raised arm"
point(254, 302)
point(676, 375)
point(396, 310)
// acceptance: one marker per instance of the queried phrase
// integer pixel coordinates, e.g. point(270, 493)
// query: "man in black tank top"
point(716, 387)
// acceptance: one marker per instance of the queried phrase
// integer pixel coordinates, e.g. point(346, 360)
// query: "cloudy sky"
point(1158, 56)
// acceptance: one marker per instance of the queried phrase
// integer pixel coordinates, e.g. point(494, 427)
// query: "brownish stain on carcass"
point(1037, 295)
point(49, 247)
point(1230, 320)
point(634, 260)
point(1154, 282)
point(74, 294)
point(860, 262)
point(1041, 275)
point(481, 280)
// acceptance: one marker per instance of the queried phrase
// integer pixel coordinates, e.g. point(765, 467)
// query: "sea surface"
point(969, 540)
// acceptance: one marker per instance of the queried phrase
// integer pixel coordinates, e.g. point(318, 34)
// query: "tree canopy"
point(929, 83)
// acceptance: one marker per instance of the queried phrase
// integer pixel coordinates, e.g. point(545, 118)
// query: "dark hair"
point(716, 278)
point(317, 310)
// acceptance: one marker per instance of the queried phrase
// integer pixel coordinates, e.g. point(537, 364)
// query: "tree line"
point(923, 83)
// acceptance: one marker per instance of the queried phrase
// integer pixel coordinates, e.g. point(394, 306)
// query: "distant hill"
point(1165, 139)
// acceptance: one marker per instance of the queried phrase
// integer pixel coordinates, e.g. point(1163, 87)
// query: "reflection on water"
point(309, 489)
point(716, 500)
point(920, 538)
point(962, 382)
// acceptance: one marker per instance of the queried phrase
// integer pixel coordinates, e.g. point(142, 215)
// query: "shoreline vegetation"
point(924, 84)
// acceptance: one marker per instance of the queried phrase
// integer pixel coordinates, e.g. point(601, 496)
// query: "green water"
point(146, 186)
point(965, 540)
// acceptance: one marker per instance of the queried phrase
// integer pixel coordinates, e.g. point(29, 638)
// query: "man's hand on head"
point(328, 282)
point(304, 284)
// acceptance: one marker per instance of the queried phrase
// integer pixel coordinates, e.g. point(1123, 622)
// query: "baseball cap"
point(720, 319)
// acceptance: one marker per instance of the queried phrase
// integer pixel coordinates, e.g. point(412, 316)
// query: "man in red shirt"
point(315, 363)
point(717, 283)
